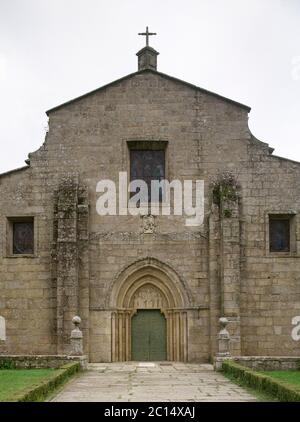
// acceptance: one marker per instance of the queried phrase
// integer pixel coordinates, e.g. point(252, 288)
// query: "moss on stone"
point(263, 382)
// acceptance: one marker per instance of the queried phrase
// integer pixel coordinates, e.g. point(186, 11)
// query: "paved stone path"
point(138, 381)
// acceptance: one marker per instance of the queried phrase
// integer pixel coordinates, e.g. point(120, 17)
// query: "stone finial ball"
point(76, 320)
point(223, 321)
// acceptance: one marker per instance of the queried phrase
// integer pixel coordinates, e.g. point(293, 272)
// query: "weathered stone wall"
point(39, 361)
point(263, 363)
point(223, 260)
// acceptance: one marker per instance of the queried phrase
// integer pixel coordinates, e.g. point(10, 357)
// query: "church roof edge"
point(7, 173)
point(164, 75)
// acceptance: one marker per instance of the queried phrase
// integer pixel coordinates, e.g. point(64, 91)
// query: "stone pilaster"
point(83, 270)
point(70, 258)
point(214, 276)
point(230, 270)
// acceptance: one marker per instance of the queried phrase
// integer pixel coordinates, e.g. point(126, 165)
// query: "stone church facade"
point(124, 274)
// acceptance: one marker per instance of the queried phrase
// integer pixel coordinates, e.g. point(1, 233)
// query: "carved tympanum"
point(148, 297)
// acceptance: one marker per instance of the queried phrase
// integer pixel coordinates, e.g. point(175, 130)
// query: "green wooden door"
point(148, 336)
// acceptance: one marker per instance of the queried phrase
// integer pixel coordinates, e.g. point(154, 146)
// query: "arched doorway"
point(150, 287)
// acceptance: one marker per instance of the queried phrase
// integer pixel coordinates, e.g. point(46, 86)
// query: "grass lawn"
point(291, 377)
point(15, 380)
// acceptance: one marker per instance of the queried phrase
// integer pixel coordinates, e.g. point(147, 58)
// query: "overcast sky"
point(54, 50)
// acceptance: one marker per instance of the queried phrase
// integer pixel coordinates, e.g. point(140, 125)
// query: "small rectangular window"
point(279, 233)
point(20, 236)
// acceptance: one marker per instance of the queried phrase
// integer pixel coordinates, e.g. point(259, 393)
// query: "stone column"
point(177, 346)
point(121, 335)
point(76, 338)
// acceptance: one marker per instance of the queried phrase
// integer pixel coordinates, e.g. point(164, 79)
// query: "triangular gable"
point(163, 75)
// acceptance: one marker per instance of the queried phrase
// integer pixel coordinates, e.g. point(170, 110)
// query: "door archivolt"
point(149, 288)
point(162, 276)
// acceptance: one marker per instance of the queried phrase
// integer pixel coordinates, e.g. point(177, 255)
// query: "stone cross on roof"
point(147, 34)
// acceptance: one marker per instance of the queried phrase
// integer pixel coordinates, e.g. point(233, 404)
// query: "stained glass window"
point(279, 234)
point(147, 165)
point(23, 242)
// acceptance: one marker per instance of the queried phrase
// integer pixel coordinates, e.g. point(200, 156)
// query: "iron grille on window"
point(279, 234)
point(23, 238)
point(147, 165)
